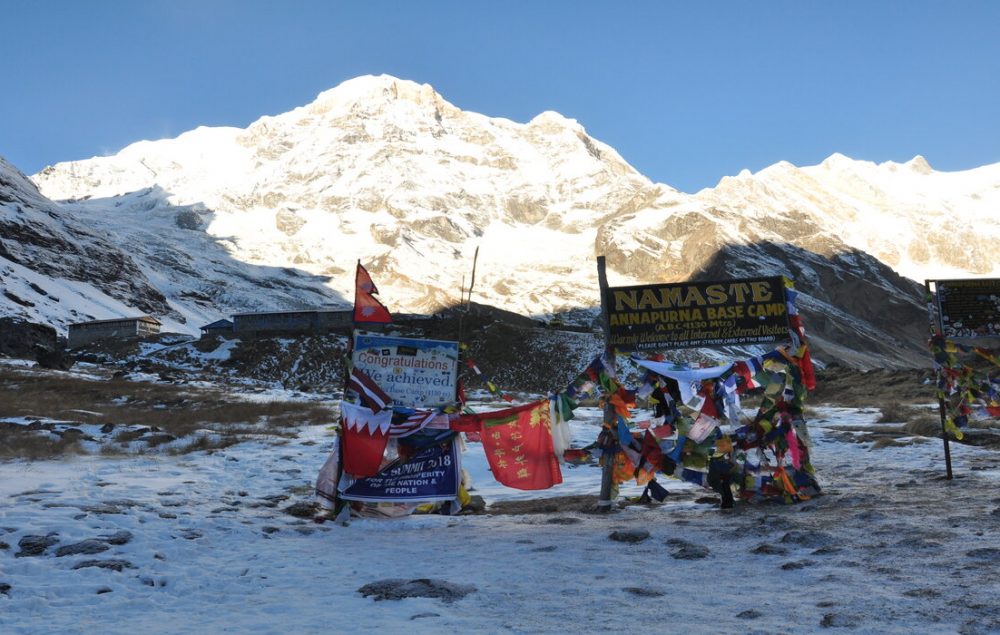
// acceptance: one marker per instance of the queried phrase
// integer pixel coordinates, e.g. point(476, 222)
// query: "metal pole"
point(604, 502)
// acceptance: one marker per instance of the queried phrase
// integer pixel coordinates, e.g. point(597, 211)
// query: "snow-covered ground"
point(890, 547)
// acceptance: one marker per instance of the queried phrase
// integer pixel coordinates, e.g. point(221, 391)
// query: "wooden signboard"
point(968, 308)
point(696, 314)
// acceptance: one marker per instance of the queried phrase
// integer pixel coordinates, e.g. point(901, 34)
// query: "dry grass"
point(110, 449)
point(886, 442)
point(856, 389)
point(28, 444)
point(158, 439)
point(928, 424)
point(256, 431)
point(895, 412)
point(204, 443)
point(925, 425)
point(172, 408)
point(167, 408)
point(127, 436)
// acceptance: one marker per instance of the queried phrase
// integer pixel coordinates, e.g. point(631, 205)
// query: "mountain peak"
point(919, 165)
point(836, 160)
point(553, 117)
point(378, 88)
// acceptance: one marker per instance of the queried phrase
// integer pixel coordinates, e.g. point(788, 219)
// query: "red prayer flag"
point(367, 308)
point(808, 373)
point(365, 435)
point(518, 446)
point(651, 449)
point(363, 451)
point(464, 423)
point(370, 393)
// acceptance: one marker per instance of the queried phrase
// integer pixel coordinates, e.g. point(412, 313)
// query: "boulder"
point(629, 535)
point(397, 589)
point(35, 545)
point(90, 546)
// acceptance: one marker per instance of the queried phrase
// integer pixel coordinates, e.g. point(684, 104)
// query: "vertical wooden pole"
point(941, 406)
point(604, 502)
point(472, 283)
point(460, 311)
point(944, 437)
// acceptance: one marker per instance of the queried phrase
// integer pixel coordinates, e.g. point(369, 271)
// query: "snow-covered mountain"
point(389, 172)
point(385, 170)
point(922, 223)
point(55, 267)
point(131, 255)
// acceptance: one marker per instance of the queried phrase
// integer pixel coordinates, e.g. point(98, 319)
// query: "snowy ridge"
point(922, 223)
point(274, 216)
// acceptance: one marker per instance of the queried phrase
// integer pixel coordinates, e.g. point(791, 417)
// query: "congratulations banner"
point(416, 373)
point(683, 315)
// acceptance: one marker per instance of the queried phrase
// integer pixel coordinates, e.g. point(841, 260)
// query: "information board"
point(416, 373)
point(968, 308)
point(666, 316)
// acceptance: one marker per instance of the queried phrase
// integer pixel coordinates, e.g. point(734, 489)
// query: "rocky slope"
point(131, 255)
point(52, 263)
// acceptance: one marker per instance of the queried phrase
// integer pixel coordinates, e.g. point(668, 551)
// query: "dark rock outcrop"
point(397, 589)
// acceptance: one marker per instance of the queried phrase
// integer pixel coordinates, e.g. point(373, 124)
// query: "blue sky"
point(687, 92)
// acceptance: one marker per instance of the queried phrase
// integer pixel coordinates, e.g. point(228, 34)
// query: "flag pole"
point(461, 314)
point(604, 501)
point(354, 328)
point(341, 510)
point(466, 299)
point(472, 283)
point(941, 408)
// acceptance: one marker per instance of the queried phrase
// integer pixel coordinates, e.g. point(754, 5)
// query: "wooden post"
point(461, 313)
point(944, 437)
point(472, 283)
point(941, 406)
point(604, 502)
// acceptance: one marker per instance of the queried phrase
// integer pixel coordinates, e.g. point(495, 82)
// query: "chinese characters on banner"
point(518, 446)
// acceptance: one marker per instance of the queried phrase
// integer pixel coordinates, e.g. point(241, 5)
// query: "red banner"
point(367, 308)
point(518, 445)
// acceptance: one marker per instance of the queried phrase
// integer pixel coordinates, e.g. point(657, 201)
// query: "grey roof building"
point(219, 327)
point(307, 321)
point(118, 328)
